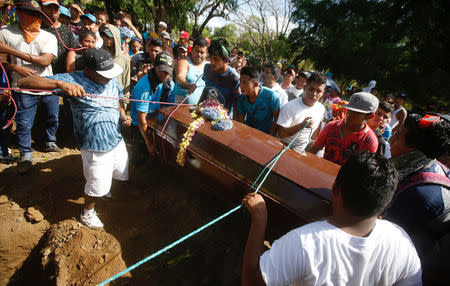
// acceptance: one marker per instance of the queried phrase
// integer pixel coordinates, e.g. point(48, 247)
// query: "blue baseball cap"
point(125, 32)
point(64, 11)
point(90, 17)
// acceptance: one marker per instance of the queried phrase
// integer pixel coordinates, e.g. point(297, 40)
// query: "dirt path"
point(143, 219)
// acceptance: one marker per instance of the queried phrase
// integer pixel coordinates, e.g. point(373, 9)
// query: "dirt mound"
point(18, 237)
point(76, 255)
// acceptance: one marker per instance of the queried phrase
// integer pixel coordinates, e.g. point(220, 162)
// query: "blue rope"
point(271, 163)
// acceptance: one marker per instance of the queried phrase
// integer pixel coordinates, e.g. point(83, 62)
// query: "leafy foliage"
point(210, 9)
point(401, 44)
point(265, 25)
point(228, 32)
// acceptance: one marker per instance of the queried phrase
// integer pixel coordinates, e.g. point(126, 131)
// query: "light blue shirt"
point(194, 75)
point(259, 115)
point(96, 121)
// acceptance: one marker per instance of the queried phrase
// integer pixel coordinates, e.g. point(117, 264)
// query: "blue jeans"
point(26, 110)
point(6, 112)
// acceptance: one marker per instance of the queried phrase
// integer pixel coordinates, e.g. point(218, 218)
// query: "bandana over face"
point(30, 25)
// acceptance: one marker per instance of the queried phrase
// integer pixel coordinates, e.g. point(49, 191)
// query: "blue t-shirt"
point(142, 91)
point(387, 132)
point(95, 120)
point(259, 115)
point(227, 84)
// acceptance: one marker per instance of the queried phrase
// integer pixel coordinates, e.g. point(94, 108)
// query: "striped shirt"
point(95, 120)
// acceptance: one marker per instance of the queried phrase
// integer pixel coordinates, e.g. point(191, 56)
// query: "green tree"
point(229, 32)
point(401, 44)
point(209, 9)
point(265, 25)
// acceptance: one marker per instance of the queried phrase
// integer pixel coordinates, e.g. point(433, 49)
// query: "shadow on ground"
point(164, 205)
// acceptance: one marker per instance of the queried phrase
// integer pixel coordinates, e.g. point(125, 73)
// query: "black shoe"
point(25, 166)
point(51, 147)
point(8, 159)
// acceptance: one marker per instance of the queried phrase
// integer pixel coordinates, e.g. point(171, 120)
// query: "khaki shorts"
point(100, 168)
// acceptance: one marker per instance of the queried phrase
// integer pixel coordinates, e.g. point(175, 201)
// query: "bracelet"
point(31, 59)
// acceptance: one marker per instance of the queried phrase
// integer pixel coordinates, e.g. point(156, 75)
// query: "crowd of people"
point(390, 172)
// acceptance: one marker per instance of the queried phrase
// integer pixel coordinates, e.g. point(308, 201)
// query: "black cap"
point(102, 62)
point(164, 62)
point(30, 5)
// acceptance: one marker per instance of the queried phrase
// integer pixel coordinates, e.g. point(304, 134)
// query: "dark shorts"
point(139, 152)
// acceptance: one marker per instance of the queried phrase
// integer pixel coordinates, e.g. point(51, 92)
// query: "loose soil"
point(41, 240)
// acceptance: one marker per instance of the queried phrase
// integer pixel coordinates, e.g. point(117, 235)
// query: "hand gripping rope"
point(271, 163)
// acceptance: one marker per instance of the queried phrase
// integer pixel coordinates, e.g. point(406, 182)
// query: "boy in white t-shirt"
point(352, 247)
point(298, 112)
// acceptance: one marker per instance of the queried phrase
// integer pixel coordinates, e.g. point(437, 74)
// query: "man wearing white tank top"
point(399, 114)
point(189, 73)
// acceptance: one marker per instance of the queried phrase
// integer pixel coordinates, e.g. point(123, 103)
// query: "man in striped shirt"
point(96, 122)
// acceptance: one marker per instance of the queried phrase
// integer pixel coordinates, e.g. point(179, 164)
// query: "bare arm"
point(132, 27)
point(317, 132)
point(235, 114)
point(313, 149)
point(181, 70)
point(273, 129)
point(401, 117)
point(142, 123)
point(44, 59)
point(23, 71)
point(240, 117)
point(70, 61)
point(126, 119)
point(37, 82)
point(284, 132)
point(254, 248)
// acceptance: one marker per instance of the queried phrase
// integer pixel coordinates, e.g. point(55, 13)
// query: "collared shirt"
point(143, 91)
point(95, 120)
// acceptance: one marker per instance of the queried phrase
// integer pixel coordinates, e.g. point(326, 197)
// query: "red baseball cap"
point(184, 35)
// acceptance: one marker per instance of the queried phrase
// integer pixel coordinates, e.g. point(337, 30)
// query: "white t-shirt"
point(45, 42)
point(293, 113)
point(321, 254)
point(279, 91)
point(394, 121)
point(293, 93)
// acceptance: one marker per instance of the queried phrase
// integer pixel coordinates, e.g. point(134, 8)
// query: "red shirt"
point(339, 149)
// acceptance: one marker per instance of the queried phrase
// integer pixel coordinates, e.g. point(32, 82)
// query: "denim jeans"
point(26, 110)
point(6, 112)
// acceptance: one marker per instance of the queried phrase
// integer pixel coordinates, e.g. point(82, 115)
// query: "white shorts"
point(100, 168)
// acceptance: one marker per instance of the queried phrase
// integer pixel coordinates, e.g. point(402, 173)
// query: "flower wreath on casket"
point(209, 109)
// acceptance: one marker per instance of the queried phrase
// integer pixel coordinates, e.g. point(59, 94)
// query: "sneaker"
point(25, 162)
point(51, 147)
point(91, 220)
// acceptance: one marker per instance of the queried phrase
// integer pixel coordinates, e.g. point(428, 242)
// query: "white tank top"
point(394, 120)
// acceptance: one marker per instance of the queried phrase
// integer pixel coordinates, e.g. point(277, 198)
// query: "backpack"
point(426, 178)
